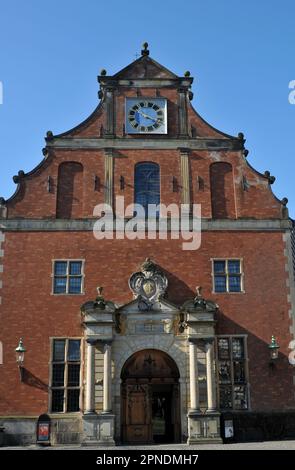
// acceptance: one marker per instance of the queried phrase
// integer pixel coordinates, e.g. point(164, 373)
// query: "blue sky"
point(240, 53)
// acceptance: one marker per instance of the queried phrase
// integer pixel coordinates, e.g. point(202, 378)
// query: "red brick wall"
point(202, 128)
point(34, 200)
point(30, 310)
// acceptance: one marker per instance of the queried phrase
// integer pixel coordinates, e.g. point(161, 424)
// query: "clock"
point(146, 115)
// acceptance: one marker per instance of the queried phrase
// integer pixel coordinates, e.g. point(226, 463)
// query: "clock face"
point(146, 116)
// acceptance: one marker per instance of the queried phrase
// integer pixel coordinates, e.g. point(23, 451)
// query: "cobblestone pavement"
point(267, 445)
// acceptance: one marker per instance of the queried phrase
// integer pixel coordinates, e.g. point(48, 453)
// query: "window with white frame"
point(65, 375)
point(227, 275)
point(68, 276)
point(232, 372)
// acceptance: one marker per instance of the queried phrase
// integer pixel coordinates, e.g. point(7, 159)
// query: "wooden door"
point(136, 413)
point(147, 373)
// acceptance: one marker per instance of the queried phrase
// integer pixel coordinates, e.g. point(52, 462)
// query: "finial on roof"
point(187, 73)
point(103, 72)
point(145, 50)
point(271, 179)
point(284, 201)
point(49, 135)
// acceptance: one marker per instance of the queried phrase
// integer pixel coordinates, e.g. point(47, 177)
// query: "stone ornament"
point(99, 304)
point(148, 285)
point(199, 304)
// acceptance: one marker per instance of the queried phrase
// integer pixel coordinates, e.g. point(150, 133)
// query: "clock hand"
point(146, 116)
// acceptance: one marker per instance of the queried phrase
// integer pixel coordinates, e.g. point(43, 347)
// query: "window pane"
point(219, 267)
point(60, 285)
point(239, 372)
point(73, 400)
point(57, 400)
point(240, 397)
point(147, 184)
point(75, 284)
point(224, 372)
point(234, 284)
point(233, 266)
point(232, 373)
point(73, 375)
point(220, 284)
point(59, 350)
point(223, 348)
point(58, 372)
point(60, 268)
point(225, 396)
point(75, 267)
point(238, 348)
point(74, 350)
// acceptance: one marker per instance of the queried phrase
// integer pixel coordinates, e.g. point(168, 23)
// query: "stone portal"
point(150, 407)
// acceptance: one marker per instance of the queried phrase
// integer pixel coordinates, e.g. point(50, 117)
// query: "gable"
point(145, 67)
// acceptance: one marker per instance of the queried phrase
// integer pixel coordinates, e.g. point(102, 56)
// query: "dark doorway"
point(150, 399)
point(162, 429)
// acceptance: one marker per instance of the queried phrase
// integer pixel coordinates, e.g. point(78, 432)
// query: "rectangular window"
point(68, 277)
point(232, 372)
point(227, 275)
point(65, 375)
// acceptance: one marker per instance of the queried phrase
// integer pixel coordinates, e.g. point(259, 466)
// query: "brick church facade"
point(150, 358)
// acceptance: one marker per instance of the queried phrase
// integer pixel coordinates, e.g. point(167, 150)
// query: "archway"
point(150, 408)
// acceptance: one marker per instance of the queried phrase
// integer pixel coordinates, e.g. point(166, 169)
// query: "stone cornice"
point(198, 143)
point(80, 225)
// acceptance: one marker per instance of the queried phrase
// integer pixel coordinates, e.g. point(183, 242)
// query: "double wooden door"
point(150, 412)
point(150, 399)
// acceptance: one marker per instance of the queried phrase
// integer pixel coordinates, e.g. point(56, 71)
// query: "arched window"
point(147, 184)
point(69, 190)
point(222, 191)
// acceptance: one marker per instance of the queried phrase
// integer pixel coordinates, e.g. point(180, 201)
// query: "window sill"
point(64, 294)
point(226, 293)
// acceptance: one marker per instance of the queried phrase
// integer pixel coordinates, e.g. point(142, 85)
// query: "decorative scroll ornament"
point(148, 285)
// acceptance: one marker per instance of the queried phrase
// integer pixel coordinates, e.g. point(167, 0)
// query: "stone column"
point(107, 405)
point(194, 385)
point(211, 393)
point(90, 378)
point(182, 113)
point(110, 112)
point(185, 176)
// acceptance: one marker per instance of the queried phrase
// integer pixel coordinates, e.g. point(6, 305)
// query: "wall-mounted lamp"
point(274, 350)
point(96, 183)
point(174, 185)
point(49, 184)
point(20, 357)
point(122, 182)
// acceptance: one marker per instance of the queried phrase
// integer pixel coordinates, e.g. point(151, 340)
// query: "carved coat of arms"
point(149, 284)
